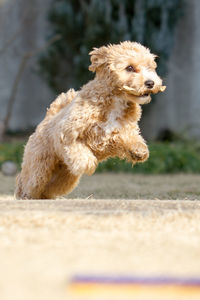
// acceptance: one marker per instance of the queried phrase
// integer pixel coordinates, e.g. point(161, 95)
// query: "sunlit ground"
point(44, 243)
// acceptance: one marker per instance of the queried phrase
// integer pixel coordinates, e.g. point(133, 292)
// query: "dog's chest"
point(114, 117)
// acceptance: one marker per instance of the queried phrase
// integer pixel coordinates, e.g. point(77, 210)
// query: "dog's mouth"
point(144, 95)
point(141, 98)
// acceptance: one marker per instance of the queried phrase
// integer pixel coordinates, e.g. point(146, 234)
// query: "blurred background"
point(44, 49)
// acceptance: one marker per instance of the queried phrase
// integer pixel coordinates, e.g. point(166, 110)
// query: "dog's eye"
point(130, 69)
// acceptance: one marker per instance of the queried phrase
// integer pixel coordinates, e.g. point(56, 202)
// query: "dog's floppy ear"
point(98, 58)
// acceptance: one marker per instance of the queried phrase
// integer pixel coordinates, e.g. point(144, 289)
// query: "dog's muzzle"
point(141, 98)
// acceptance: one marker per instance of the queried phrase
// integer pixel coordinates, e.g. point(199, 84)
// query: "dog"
point(82, 128)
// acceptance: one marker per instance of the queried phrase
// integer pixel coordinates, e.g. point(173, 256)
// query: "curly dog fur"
point(82, 128)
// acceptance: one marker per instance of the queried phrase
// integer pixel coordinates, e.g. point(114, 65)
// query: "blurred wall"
point(178, 109)
point(23, 24)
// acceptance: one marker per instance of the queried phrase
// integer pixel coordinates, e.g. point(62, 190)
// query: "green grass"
point(165, 157)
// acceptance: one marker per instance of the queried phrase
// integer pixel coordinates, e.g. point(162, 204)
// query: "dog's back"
point(61, 101)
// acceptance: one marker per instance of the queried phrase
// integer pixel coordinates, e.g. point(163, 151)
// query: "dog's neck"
point(97, 88)
point(100, 93)
point(101, 90)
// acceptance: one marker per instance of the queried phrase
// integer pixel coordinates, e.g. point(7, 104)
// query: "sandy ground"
point(44, 243)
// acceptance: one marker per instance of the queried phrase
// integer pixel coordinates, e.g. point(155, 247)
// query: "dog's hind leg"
point(36, 173)
point(61, 183)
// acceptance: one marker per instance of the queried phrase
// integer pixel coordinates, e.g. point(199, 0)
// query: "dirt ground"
point(126, 186)
point(104, 227)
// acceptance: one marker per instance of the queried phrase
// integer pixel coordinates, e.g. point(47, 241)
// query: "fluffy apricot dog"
point(82, 128)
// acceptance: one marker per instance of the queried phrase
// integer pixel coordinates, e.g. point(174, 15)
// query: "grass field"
point(45, 242)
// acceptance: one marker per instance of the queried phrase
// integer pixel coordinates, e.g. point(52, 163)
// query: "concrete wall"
point(26, 20)
point(178, 109)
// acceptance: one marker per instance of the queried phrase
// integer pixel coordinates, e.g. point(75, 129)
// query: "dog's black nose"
point(149, 84)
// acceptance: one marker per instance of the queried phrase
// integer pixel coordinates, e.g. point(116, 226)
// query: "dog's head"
point(129, 68)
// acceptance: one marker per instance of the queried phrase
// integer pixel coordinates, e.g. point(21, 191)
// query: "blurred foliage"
point(84, 24)
point(165, 157)
point(12, 152)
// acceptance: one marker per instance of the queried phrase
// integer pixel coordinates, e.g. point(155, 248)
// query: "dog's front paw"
point(139, 153)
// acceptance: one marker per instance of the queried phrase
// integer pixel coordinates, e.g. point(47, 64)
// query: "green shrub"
point(165, 157)
point(177, 157)
point(11, 151)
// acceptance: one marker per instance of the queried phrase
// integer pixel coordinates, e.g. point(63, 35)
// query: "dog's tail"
point(61, 101)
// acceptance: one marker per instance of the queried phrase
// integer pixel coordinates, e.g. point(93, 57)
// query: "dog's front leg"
point(79, 159)
point(135, 148)
point(138, 151)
